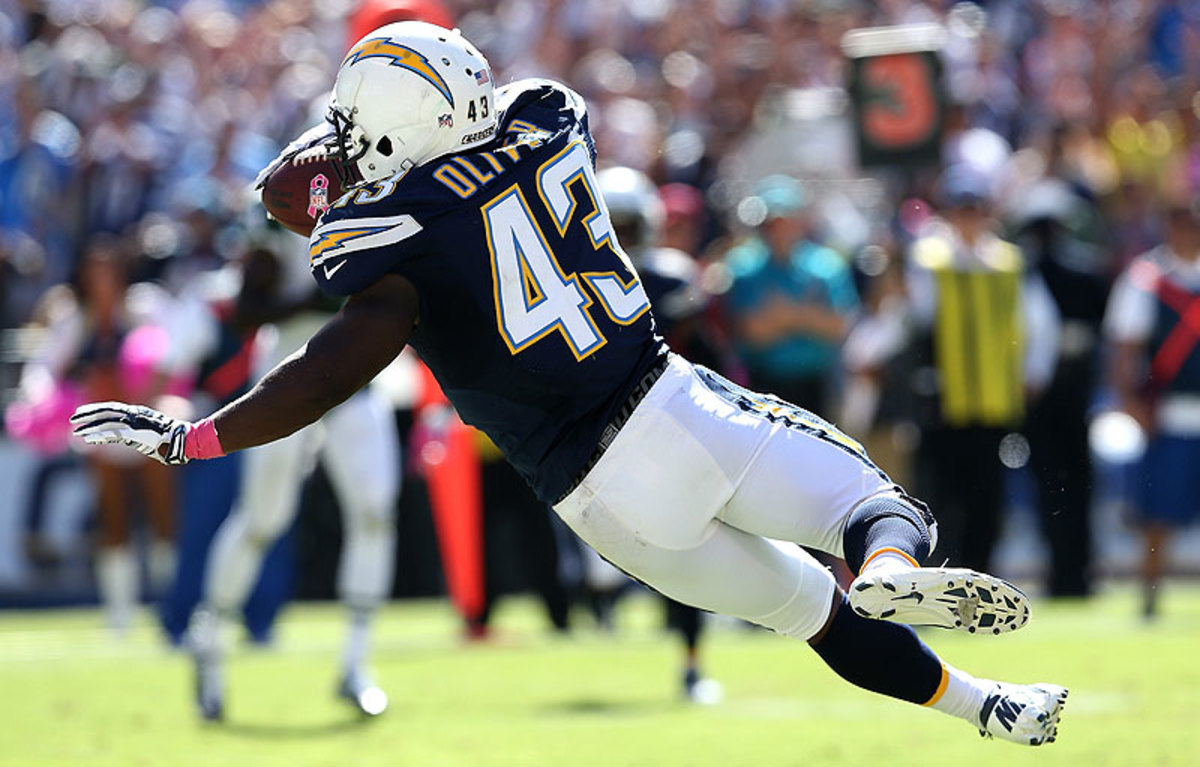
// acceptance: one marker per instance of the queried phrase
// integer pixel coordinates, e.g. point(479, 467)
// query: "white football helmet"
point(407, 93)
point(633, 205)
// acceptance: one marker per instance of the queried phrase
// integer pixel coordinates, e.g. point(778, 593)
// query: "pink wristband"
point(201, 441)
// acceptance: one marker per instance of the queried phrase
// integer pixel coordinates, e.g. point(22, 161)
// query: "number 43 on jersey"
point(534, 296)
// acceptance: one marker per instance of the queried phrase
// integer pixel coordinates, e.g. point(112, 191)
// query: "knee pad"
point(888, 520)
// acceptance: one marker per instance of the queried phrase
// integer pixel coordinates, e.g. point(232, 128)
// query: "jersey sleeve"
point(1129, 316)
point(348, 253)
point(539, 106)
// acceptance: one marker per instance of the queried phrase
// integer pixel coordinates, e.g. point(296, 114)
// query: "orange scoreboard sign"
point(895, 88)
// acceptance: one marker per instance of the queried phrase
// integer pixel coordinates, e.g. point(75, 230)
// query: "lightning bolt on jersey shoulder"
point(347, 255)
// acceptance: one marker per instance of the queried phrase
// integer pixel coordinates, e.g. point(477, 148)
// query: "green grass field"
point(72, 695)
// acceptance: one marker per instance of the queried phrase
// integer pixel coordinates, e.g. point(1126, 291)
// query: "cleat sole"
point(950, 598)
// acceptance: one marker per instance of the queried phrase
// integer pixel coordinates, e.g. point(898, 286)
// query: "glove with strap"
point(168, 440)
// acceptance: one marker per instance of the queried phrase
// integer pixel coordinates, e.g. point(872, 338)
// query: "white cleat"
point(952, 598)
point(701, 690)
point(203, 642)
point(357, 689)
point(210, 688)
point(1025, 714)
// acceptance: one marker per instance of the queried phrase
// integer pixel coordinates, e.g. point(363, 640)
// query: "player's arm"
point(1128, 323)
point(1127, 373)
point(780, 317)
point(344, 355)
point(258, 302)
point(352, 347)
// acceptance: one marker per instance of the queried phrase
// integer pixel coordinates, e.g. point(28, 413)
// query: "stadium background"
point(137, 119)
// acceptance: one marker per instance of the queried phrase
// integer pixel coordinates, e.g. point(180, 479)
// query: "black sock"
point(886, 521)
point(883, 657)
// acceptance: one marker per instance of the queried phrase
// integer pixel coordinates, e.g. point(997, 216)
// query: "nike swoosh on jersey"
point(330, 272)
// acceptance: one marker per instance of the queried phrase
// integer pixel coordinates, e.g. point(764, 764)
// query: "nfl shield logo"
point(318, 195)
point(445, 121)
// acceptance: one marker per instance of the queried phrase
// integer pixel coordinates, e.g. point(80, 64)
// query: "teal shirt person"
point(791, 299)
point(811, 274)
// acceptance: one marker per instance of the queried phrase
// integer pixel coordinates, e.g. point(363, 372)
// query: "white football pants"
point(699, 482)
point(361, 452)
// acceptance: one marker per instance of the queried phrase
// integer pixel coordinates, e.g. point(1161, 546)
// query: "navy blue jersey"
point(532, 319)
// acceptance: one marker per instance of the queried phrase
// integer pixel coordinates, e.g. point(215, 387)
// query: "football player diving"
point(478, 236)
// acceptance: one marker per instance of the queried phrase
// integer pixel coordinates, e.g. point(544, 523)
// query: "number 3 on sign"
point(534, 296)
point(904, 109)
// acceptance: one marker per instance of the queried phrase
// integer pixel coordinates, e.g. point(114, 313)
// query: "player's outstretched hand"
point(147, 431)
point(311, 144)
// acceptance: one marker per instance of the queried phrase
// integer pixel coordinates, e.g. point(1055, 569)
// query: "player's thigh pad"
point(673, 465)
point(800, 488)
point(362, 455)
point(805, 479)
point(730, 572)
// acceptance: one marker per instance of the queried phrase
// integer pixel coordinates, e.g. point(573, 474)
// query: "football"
point(297, 192)
point(300, 184)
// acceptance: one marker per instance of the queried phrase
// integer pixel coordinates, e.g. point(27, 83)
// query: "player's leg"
point(891, 659)
point(1156, 541)
point(362, 455)
point(159, 490)
point(208, 490)
point(785, 589)
point(541, 560)
point(116, 564)
point(267, 502)
point(689, 622)
point(810, 484)
point(1168, 497)
point(983, 496)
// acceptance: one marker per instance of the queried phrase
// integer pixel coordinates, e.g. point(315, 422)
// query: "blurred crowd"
point(952, 315)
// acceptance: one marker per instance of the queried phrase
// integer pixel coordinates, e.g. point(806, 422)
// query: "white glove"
point(144, 429)
point(313, 143)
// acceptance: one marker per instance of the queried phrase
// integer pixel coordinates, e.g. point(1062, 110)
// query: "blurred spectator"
point(1142, 134)
point(359, 448)
point(124, 158)
point(519, 546)
point(38, 416)
point(683, 218)
point(209, 341)
point(112, 358)
point(791, 300)
point(1174, 28)
point(876, 407)
point(120, 116)
point(1051, 223)
point(991, 329)
point(1155, 371)
point(39, 161)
